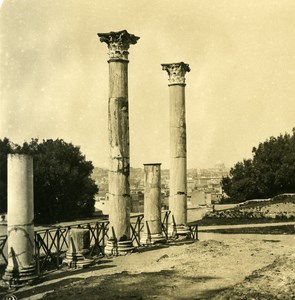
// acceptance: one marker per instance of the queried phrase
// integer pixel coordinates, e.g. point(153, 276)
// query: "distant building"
point(220, 166)
point(207, 181)
point(102, 205)
point(137, 201)
point(200, 198)
point(191, 185)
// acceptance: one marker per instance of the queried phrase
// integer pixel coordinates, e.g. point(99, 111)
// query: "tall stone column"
point(21, 266)
point(118, 123)
point(152, 204)
point(178, 165)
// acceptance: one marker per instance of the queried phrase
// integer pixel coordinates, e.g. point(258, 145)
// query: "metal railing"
point(3, 240)
point(194, 235)
point(51, 244)
point(136, 227)
point(165, 222)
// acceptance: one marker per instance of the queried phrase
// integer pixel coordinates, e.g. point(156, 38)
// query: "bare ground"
point(208, 269)
point(275, 281)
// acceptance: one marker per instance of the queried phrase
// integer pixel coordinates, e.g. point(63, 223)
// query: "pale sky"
point(240, 91)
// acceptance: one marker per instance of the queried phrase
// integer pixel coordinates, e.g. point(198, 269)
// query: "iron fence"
point(51, 244)
point(165, 222)
point(136, 227)
point(3, 239)
point(193, 231)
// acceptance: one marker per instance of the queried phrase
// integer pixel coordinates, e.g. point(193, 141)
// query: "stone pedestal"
point(111, 248)
point(114, 248)
point(118, 123)
point(178, 165)
point(152, 205)
point(79, 245)
point(21, 267)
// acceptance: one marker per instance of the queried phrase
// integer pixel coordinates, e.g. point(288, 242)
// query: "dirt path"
point(200, 270)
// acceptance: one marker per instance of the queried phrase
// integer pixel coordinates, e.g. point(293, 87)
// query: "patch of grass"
point(277, 209)
point(284, 229)
point(236, 221)
point(280, 199)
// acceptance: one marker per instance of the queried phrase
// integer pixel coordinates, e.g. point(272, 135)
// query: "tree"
point(269, 173)
point(240, 185)
point(6, 147)
point(63, 188)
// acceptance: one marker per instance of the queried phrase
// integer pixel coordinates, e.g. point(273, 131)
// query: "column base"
point(111, 248)
point(77, 261)
point(118, 248)
point(148, 239)
point(176, 231)
point(19, 278)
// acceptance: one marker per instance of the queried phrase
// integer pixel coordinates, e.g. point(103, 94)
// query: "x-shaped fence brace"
point(43, 258)
point(194, 231)
point(49, 245)
point(165, 222)
point(3, 240)
point(136, 228)
point(98, 235)
point(102, 235)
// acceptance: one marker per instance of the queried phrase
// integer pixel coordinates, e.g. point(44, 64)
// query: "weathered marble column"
point(178, 166)
point(21, 267)
point(119, 189)
point(152, 205)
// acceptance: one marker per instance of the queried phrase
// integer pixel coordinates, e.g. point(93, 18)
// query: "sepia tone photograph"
point(147, 149)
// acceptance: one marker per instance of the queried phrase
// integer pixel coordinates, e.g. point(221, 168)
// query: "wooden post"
point(118, 122)
point(178, 165)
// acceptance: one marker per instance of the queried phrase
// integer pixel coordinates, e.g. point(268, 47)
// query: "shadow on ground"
point(54, 280)
point(157, 246)
point(167, 284)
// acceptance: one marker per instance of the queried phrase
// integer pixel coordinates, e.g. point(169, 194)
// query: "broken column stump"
point(152, 205)
point(79, 246)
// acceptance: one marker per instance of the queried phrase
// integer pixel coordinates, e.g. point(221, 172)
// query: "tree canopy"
point(270, 172)
point(63, 188)
point(6, 147)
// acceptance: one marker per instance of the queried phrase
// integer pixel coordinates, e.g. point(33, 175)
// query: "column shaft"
point(119, 189)
point(178, 180)
point(20, 218)
point(152, 204)
point(178, 167)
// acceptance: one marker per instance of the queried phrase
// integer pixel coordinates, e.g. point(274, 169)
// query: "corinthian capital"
point(118, 43)
point(176, 72)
